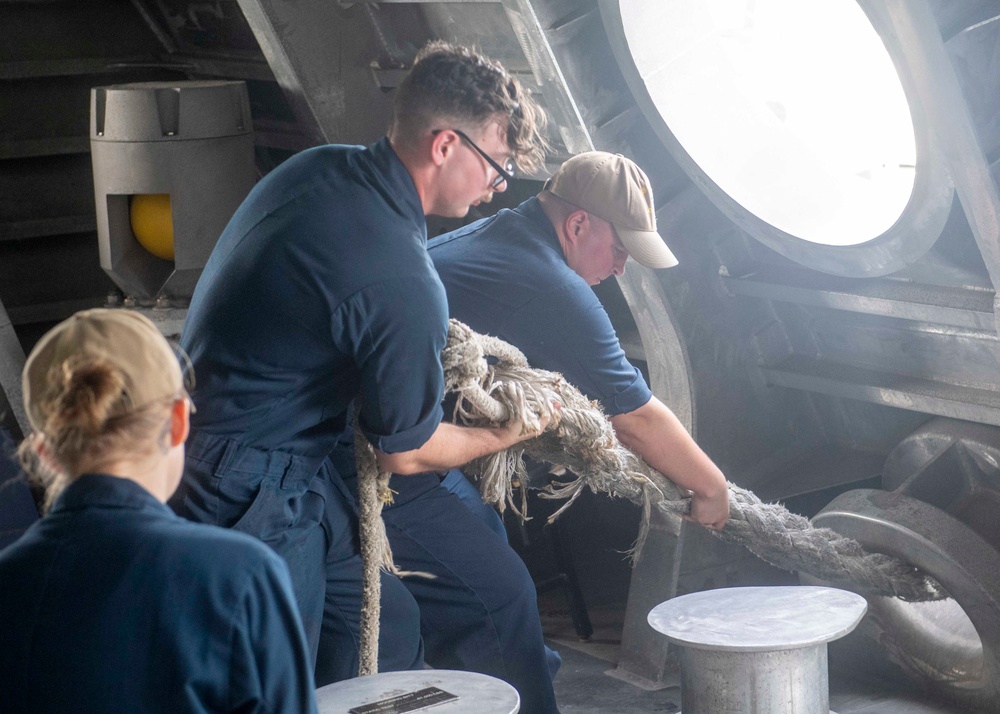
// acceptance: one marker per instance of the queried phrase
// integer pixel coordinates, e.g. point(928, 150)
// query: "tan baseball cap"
point(616, 189)
point(126, 339)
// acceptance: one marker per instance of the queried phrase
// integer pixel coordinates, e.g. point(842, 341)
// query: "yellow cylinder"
point(152, 224)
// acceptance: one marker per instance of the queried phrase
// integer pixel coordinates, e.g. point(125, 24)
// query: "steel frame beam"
point(11, 366)
point(910, 31)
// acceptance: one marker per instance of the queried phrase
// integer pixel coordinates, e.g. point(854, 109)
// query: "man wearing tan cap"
point(614, 190)
point(524, 275)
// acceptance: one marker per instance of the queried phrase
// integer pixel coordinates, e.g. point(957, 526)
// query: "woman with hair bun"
point(110, 602)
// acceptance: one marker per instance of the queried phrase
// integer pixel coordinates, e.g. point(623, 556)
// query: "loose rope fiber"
point(495, 386)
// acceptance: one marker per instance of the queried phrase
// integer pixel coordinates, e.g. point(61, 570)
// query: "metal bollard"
point(446, 691)
point(757, 650)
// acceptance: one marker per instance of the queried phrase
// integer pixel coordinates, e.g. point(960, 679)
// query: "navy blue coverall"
point(319, 291)
point(506, 276)
point(111, 603)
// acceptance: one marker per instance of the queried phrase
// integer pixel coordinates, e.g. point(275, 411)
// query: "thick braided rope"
point(789, 541)
point(584, 442)
point(504, 390)
point(373, 492)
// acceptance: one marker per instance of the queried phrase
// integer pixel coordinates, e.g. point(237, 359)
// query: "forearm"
point(448, 447)
point(657, 435)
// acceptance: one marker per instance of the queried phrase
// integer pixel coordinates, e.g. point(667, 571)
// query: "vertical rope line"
point(373, 546)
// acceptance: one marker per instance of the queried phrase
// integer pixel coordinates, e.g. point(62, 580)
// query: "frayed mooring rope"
point(505, 390)
point(373, 493)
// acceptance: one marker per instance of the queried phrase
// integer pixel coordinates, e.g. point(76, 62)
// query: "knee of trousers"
point(400, 643)
point(512, 586)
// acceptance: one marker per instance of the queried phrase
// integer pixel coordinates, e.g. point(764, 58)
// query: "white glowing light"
point(792, 107)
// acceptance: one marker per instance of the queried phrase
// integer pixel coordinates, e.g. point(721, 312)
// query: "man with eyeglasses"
point(479, 607)
point(505, 173)
point(320, 293)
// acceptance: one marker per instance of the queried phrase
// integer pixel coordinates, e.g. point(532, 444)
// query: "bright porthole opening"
point(794, 109)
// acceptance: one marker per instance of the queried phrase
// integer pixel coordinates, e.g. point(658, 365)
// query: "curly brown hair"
point(457, 84)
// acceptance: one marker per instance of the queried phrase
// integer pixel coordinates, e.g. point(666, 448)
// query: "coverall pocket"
point(284, 518)
point(265, 514)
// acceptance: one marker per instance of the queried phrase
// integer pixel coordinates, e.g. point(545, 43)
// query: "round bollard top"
point(447, 691)
point(758, 619)
point(169, 111)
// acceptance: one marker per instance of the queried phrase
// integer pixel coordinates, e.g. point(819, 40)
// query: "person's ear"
point(180, 421)
point(43, 452)
point(576, 225)
point(442, 144)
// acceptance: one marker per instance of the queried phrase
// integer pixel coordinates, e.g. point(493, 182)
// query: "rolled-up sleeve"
point(399, 328)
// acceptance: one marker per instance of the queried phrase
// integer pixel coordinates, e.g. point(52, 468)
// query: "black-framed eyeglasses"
point(505, 173)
